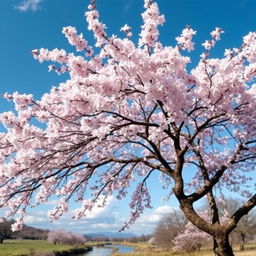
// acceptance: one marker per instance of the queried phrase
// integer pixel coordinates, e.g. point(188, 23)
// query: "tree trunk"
point(215, 215)
point(221, 241)
point(224, 248)
point(215, 247)
point(242, 241)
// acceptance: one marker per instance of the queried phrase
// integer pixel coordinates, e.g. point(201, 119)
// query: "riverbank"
point(38, 248)
point(73, 251)
point(144, 249)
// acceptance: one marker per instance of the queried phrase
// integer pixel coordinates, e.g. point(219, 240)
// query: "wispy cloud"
point(127, 6)
point(29, 5)
point(99, 220)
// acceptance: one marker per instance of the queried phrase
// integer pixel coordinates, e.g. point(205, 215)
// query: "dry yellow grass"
point(145, 250)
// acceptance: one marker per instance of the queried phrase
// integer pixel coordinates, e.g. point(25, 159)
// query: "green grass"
point(18, 247)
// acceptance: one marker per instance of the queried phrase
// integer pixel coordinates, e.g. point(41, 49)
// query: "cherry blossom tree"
point(60, 236)
point(128, 110)
point(191, 239)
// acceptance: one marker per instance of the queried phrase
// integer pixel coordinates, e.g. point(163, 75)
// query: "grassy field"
point(145, 250)
point(18, 247)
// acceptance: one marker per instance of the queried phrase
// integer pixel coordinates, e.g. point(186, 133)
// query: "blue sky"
point(29, 24)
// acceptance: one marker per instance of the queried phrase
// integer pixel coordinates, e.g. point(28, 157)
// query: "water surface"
point(107, 250)
point(99, 251)
point(122, 248)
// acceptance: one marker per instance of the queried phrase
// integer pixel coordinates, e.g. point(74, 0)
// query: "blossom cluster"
point(185, 39)
point(152, 19)
point(208, 44)
point(74, 39)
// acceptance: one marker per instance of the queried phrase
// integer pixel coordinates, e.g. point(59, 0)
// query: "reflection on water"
point(106, 251)
point(99, 251)
point(122, 248)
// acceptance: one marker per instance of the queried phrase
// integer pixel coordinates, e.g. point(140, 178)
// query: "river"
point(107, 250)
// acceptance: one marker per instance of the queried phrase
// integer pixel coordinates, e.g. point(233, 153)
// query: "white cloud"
point(97, 212)
point(127, 6)
point(156, 215)
point(34, 219)
point(165, 209)
point(100, 218)
point(29, 5)
point(148, 221)
point(105, 226)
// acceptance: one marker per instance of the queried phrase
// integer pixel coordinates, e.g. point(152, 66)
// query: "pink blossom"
point(74, 39)
point(216, 33)
point(98, 28)
point(208, 44)
point(127, 30)
point(151, 20)
point(18, 225)
point(250, 38)
point(185, 39)
point(60, 236)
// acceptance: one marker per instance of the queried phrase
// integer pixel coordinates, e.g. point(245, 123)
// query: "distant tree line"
point(29, 232)
point(26, 233)
point(133, 239)
point(57, 236)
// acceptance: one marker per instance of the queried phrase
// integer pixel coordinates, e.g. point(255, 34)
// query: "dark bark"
point(220, 235)
point(224, 248)
point(215, 217)
point(210, 197)
point(242, 241)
